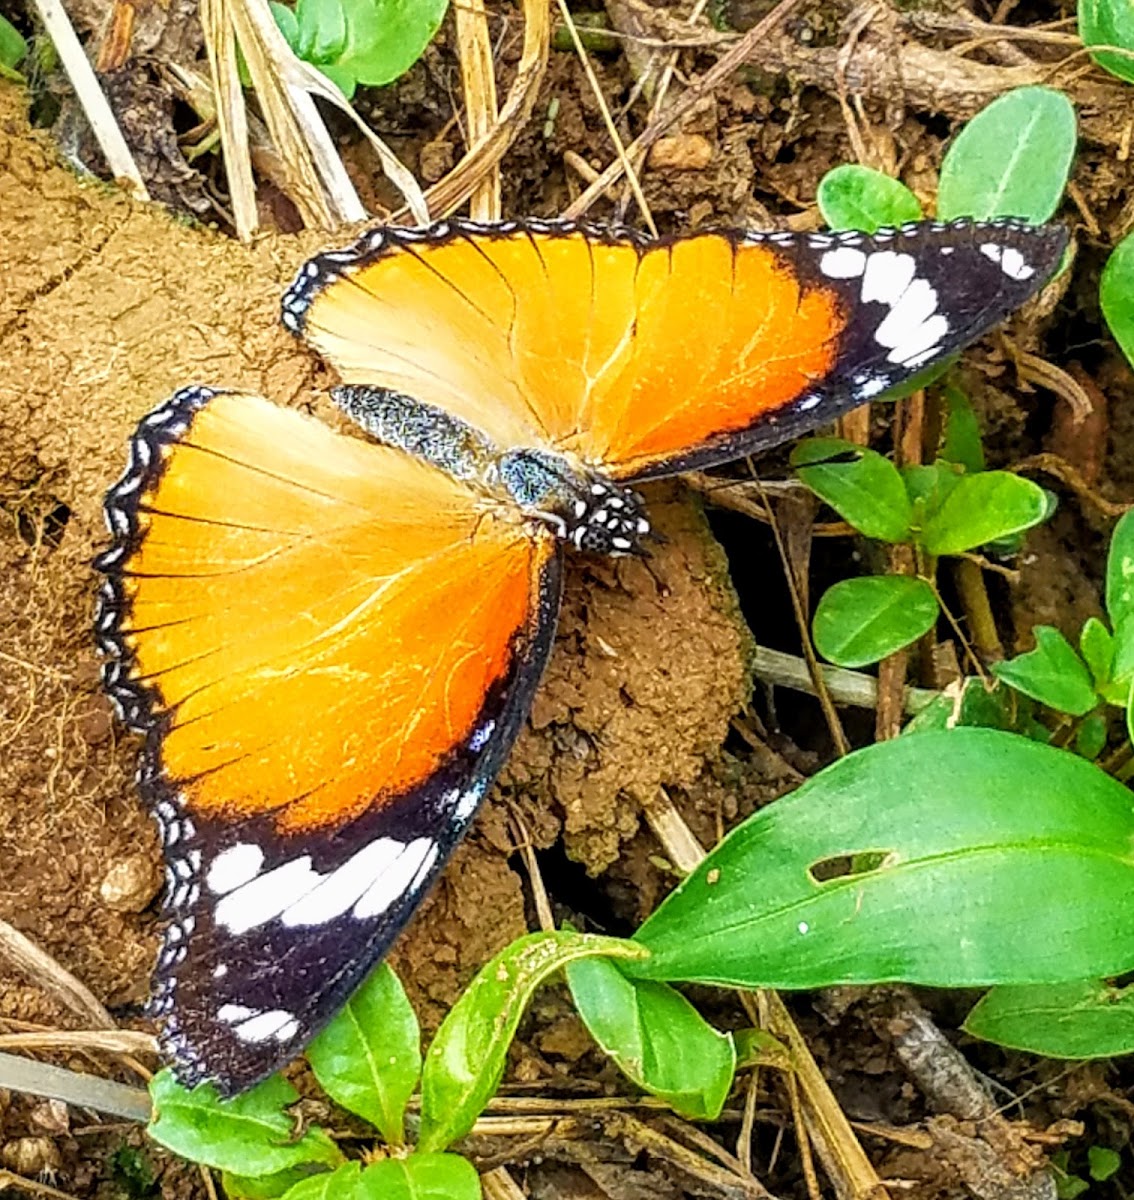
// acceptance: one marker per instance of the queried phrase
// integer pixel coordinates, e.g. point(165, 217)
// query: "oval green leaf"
point(982, 508)
point(657, 1038)
point(1116, 295)
point(369, 1057)
point(252, 1134)
point(465, 1063)
point(1052, 673)
point(860, 621)
point(855, 197)
point(334, 1185)
point(962, 443)
point(384, 38)
point(419, 1177)
point(956, 859)
point(1011, 160)
point(1120, 571)
point(864, 488)
point(1109, 23)
point(1084, 1019)
point(13, 50)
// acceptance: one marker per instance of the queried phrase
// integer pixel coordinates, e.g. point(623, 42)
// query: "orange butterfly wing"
point(643, 357)
point(330, 646)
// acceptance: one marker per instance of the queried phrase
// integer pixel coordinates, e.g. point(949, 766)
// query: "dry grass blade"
point(474, 49)
point(452, 191)
point(90, 95)
point(316, 180)
point(83, 1091)
point(44, 971)
point(323, 194)
point(716, 75)
point(231, 115)
point(117, 1041)
point(620, 149)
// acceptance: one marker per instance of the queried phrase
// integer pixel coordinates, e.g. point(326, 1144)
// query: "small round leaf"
point(855, 197)
point(860, 621)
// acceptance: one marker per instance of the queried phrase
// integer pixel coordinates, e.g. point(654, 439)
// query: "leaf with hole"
point(864, 488)
point(1052, 673)
point(855, 197)
point(658, 1039)
point(252, 1134)
point(466, 1060)
point(982, 508)
point(1109, 23)
point(369, 1058)
point(1011, 160)
point(1084, 1019)
point(997, 860)
point(860, 621)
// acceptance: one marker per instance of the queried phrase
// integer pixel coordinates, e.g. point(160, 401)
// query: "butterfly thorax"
point(583, 506)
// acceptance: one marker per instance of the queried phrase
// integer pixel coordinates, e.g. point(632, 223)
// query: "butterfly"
point(330, 643)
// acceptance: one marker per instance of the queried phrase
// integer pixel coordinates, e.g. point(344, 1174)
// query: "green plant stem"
point(974, 600)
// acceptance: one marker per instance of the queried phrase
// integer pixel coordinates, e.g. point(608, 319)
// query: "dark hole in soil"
point(43, 526)
point(576, 896)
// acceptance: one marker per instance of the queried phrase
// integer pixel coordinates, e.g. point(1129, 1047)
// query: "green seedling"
point(360, 42)
point(952, 506)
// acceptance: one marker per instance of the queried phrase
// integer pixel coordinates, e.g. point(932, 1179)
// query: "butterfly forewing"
point(330, 646)
point(645, 357)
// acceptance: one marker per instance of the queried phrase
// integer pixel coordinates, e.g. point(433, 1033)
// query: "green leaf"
point(1102, 1163)
point(1097, 648)
point(860, 621)
point(1116, 293)
point(657, 1038)
point(1109, 23)
point(268, 1187)
point(982, 508)
point(286, 23)
point(419, 1177)
point(854, 197)
point(369, 1057)
point(976, 835)
point(322, 30)
point(1090, 737)
point(1120, 571)
point(1052, 673)
point(970, 702)
point(1084, 1019)
point(864, 488)
point(466, 1061)
point(927, 487)
point(334, 1185)
point(13, 48)
point(1011, 160)
point(962, 443)
point(249, 1135)
point(384, 38)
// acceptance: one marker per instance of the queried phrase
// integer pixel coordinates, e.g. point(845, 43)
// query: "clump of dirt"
point(110, 306)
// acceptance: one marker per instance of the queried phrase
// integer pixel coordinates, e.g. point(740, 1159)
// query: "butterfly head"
point(584, 507)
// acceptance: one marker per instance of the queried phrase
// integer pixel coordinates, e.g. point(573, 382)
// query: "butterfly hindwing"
point(646, 357)
point(330, 647)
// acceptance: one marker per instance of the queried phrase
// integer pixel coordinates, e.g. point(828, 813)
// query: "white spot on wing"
point(886, 277)
point(341, 888)
point(844, 263)
point(234, 867)
point(397, 878)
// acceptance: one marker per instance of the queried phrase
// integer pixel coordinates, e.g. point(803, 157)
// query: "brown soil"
point(108, 306)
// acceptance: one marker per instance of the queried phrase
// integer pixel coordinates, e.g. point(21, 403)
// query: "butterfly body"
point(330, 643)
